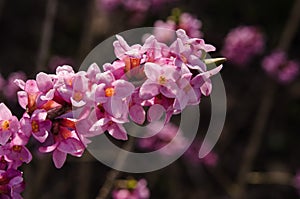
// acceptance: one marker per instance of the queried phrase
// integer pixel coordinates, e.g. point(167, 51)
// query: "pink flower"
point(242, 44)
point(37, 125)
point(135, 190)
point(279, 67)
point(112, 94)
point(161, 79)
point(189, 51)
point(11, 184)
point(64, 140)
point(9, 124)
point(190, 24)
point(10, 90)
point(28, 96)
point(163, 138)
point(164, 31)
point(191, 155)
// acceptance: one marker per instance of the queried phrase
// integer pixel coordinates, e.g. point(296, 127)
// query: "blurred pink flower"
point(192, 155)
point(136, 190)
point(164, 31)
point(10, 90)
point(279, 67)
point(57, 60)
point(163, 138)
point(190, 24)
point(242, 44)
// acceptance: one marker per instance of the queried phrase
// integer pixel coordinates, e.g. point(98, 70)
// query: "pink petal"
point(149, 89)
point(44, 82)
point(118, 132)
point(152, 71)
point(23, 99)
point(123, 88)
point(137, 114)
point(155, 112)
point(59, 158)
point(5, 113)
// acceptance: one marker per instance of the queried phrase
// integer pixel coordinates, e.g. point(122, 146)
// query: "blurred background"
point(257, 155)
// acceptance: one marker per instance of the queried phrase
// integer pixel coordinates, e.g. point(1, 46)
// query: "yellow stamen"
point(5, 125)
point(34, 126)
point(162, 80)
point(16, 148)
point(109, 92)
point(77, 96)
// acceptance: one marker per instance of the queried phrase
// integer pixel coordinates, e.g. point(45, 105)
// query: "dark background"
point(76, 31)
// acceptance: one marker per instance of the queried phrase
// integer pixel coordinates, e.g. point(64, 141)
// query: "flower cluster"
point(131, 189)
point(280, 68)
point(64, 110)
point(13, 153)
point(242, 44)
point(178, 20)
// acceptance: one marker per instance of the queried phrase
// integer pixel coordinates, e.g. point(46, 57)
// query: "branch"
point(265, 107)
point(113, 174)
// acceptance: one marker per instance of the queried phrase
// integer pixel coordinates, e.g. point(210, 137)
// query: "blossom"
point(9, 124)
point(133, 190)
point(112, 94)
point(163, 138)
point(64, 140)
point(279, 67)
point(37, 125)
point(164, 31)
point(242, 44)
point(190, 24)
point(11, 184)
point(161, 79)
point(192, 155)
point(10, 89)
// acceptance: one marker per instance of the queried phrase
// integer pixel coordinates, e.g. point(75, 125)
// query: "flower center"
point(187, 88)
point(77, 96)
point(109, 92)
point(183, 58)
point(16, 148)
point(34, 126)
point(162, 80)
point(5, 125)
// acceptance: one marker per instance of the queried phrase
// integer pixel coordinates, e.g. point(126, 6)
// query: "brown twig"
point(46, 37)
point(265, 108)
point(113, 174)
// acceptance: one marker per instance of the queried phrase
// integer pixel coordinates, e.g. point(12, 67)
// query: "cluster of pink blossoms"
point(185, 21)
point(242, 44)
point(65, 109)
point(278, 66)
